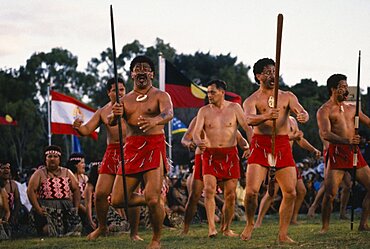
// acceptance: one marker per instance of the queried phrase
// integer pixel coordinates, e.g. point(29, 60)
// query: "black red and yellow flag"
point(7, 120)
point(185, 93)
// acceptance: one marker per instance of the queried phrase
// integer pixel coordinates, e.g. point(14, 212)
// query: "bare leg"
point(229, 206)
point(191, 206)
point(153, 184)
point(346, 186)
point(265, 205)
point(210, 184)
point(132, 183)
point(315, 204)
point(255, 176)
point(301, 193)
point(134, 219)
point(332, 181)
point(363, 176)
point(102, 190)
point(288, 189)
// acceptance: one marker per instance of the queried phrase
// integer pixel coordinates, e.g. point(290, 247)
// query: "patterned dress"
point(54, 196)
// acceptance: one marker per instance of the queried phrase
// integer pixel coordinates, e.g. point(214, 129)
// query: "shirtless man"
point(335, 119)
point(110, 161)
point(345, 185)
point(259, 111)
point(196, 182)
point(145, 110)
point(220, 162)
point(295, 135)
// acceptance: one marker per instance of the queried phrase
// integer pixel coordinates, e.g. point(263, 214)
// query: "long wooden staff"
point(119, 118)
point(355, 150)
point(272, 158)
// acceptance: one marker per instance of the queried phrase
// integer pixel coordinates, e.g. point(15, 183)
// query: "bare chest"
point(220, 119)
point(266, 102)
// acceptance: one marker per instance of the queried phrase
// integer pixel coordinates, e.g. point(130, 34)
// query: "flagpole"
point(162, 82)
point(49, 110)
point(119, 118)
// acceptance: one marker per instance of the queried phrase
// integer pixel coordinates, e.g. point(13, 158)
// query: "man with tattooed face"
point(336, 121)
point(260, 113)
point(145, 110)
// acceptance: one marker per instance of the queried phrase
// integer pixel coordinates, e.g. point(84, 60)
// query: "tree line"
point(23, 95)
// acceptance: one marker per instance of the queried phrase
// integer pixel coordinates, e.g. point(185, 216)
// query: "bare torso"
point(260, 100)
point(112, 131)
point(220, 125)
point(134, 109)
point(341, 122)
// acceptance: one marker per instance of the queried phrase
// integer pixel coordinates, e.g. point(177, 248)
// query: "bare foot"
point(184, 231)
point(136, 238)
point(96, 233)
point(257, 224)
point(247, 233)
point(294, 222)
point(212, 234)
point(230, 233)
point(154, 245)
point(311, 212)
point(324, 230)
point(364, 228)
point(286, 240)
point(343, 217)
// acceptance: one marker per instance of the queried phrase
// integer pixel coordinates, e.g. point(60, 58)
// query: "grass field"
point(306, 234)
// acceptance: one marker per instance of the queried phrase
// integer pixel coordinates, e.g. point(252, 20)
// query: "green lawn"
point(306, 234)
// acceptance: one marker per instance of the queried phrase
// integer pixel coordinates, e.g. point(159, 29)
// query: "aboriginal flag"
point(185, 93)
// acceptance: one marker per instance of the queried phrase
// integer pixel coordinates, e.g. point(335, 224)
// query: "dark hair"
point(55, 148)
point(333, 81)
point(220, 84)
point(94, 173)
point(260, 65)
point(142, 59)
point(73, 160)
point(112, 81)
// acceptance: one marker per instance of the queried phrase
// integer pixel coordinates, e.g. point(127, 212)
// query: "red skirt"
point(223, 163)
point(197, 171)
point(341, 157)
point(261, 147)
point(143, 153)
point(111, 160)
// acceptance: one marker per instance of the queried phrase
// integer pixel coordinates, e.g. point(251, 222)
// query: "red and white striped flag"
point(64, 110)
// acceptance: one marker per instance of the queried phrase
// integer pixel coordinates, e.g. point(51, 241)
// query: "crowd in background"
point(17, 221)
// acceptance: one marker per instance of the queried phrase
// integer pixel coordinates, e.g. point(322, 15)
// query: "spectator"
point(13, 194)
point(49, 191)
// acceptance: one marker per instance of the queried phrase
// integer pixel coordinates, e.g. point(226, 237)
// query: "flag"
point(7, 120)
point(76, 145)
point(64, 110)
point(178, 126)
point(185, 93)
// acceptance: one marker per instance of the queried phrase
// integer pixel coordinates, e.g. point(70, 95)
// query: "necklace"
point(341, 108)
point(271, 101)
point(142, 97)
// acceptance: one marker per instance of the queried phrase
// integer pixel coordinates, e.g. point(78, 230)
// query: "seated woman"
point(76, 163)
point(11, 188)
point(49, 191)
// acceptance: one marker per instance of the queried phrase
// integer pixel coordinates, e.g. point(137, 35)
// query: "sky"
point(320, 37)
